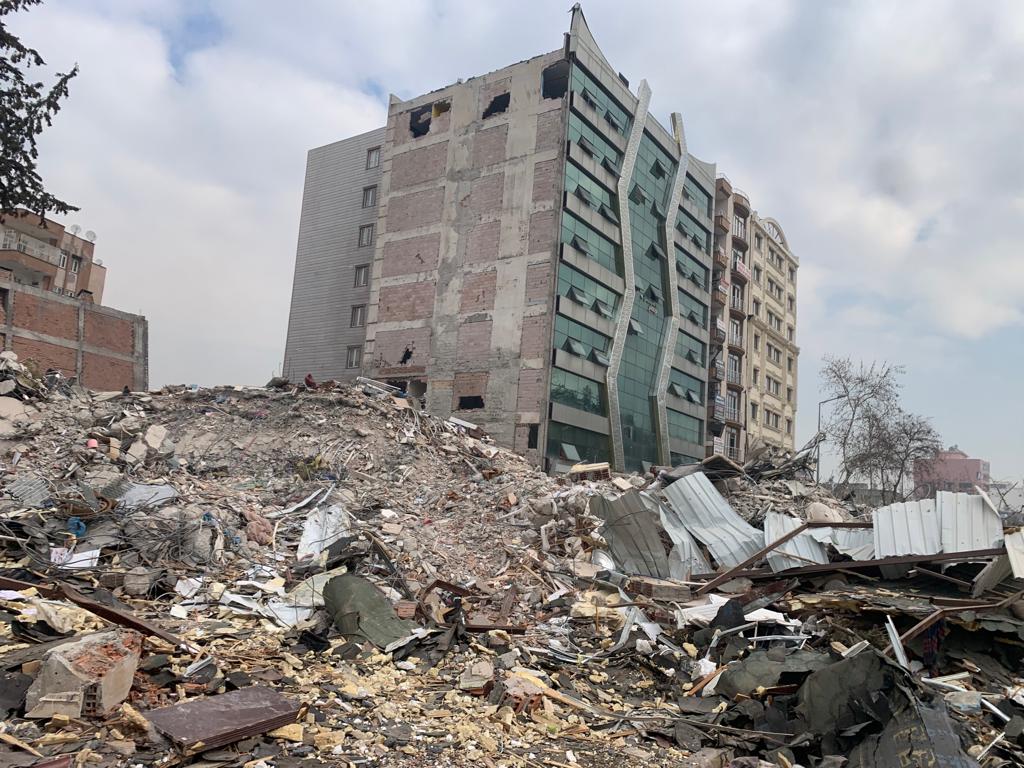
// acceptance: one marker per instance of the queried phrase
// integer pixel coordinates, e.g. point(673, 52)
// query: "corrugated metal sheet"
point(712, 521)
point(908, 528)
point(632, 532)
point(802, 549)
point(686, 558)
point(967, 522)
point(858, 543)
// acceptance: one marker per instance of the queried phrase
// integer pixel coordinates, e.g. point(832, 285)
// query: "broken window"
point(470, 402)
point(419, 121)
point(636, 194)
point(658, 170)
point(656, 209)
point(498, 105)
point(613, 121)
point(555, 80)
point(568, 452)
point(652, 293)
point(588, 97)
point(406, 356)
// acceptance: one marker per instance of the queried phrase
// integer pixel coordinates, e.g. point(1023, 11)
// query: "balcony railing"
point(734, 377)
point(739, 197)
point(732, 452)
point(736, 304)
point(741, 269)
point(736, 339)
point(732, 414)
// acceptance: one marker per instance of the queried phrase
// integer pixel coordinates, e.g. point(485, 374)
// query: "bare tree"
point(861, 390)
point(26, 108)
point(893, 442)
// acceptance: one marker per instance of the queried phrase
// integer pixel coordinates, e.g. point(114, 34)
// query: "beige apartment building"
point(772, 352)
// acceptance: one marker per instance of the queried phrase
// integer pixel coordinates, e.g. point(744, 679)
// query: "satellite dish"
point(74, 229)
point(90, 236)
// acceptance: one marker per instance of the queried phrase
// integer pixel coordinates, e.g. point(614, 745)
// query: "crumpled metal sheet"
point(968, 523)
point(631, 530)
point(685, 558)
point(802, 549)
point(31, 490)
point(907, 528)
point(856, 543)
point(708, 516)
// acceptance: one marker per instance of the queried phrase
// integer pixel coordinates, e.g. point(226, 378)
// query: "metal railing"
point(734, 377)
point(736, 339)
point(736, 303)
point(732, 452)
point(732, 414)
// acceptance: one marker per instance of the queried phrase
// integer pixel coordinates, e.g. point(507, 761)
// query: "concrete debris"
point(331, 576)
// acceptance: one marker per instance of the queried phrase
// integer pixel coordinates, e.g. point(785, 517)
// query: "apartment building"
point(951, 470)
point(51, 289)
point(772, 354)
point(547, 260)
point(337, 237)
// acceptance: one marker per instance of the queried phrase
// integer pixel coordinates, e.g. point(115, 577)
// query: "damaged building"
point(51, 313)
point(534, 252)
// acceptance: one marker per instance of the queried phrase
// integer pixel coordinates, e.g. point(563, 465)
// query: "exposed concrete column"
point(9, 310)
point(618, 343)
point(672, 321)
point(80, 347)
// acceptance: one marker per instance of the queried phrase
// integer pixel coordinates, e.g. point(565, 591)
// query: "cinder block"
point(411, 255)
point(89, 677)
point(482, 242)
point(478, 289)
point(489, 146)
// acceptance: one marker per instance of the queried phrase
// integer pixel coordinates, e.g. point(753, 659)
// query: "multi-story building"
point(331, 288)
point(45, 255)
point(950, 470)
point(772, 354)
point(544, 264)
point(51, 287)
point(541, 261)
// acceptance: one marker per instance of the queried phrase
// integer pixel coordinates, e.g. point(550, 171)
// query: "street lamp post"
point(817, 463)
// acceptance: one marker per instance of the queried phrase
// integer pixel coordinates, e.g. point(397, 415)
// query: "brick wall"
point(474, 342)
point(542, 231)
point(549, 130)
point(49, 316)
point(534, 341)
point(417, 209)
point(545, 180)
point(538, 282)
point(411, 255)
point(389, 346)
point(106, 373)
point(487, 194)
point(489, 146)
point(412, 301)
point(44, 355)
point(531, 390)
point(111, 333)
point(478, 290)
point(467, 385)
point(482, 242)
point(419, 165)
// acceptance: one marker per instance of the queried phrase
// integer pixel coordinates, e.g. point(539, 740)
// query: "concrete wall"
point(106, 349)
point(323, 292)
point(463, 278)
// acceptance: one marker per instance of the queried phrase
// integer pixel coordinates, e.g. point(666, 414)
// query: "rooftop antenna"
point(90, 236)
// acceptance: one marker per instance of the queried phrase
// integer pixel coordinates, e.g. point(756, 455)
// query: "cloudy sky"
point(885, 138)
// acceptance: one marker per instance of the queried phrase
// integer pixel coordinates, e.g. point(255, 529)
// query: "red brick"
point(467, 385)
point(418, 166)
point(107, 332)
point(489, 146)
point(478, 290)
point(531, 390)
point(389, 346)
point(542, 231)
point(417, 209)
point(538, 282)
point(105, 373)
point(545, 181)
point(489, 91)
point(535, 341)
point(54, 318)
point(411, 301)
point(549, 130)
point(482, 242)
point(474, 342)
point(42, 355)
point(411, 255)
point(487, 194)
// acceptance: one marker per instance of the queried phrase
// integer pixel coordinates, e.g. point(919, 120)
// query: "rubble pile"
point(330, 576)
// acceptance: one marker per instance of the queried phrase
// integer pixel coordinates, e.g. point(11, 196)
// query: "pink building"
point(951, 470)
